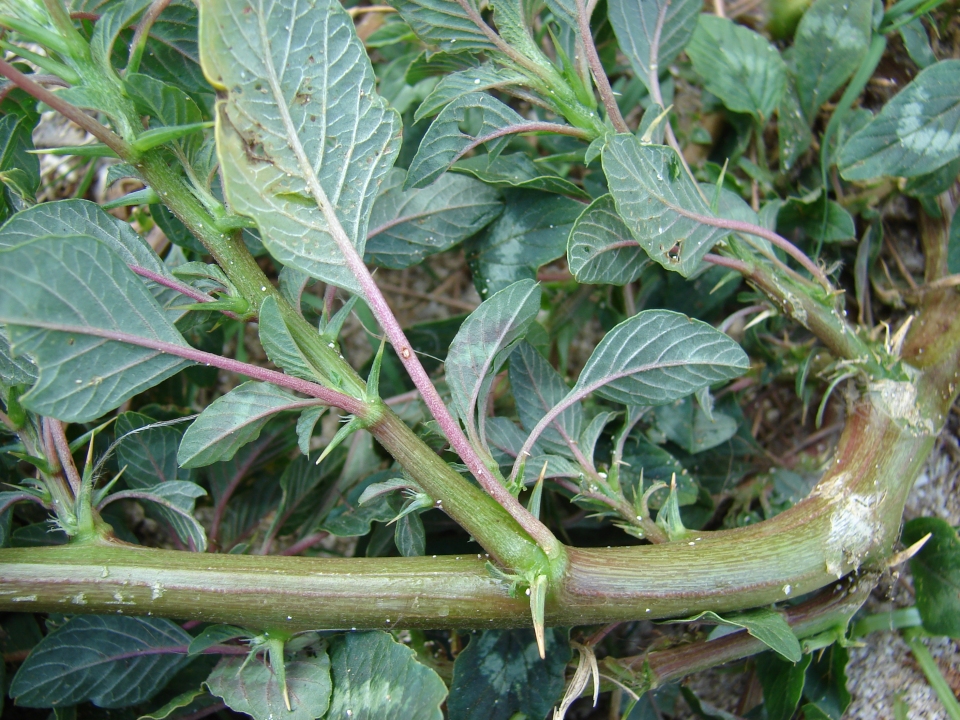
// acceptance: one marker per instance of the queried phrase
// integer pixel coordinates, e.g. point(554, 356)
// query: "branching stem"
point(596, 69)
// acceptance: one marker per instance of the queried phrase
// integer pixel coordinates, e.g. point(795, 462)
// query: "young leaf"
point(537, 387)
point(82, 375)
point(216, 635)
point(831, 42)
point(601, 249)
point(806, 219)
point(500, 674)
point(738, 66)
point(652, 34)
point(445, 24)
point(766, 625)
point(409, 225)
point(409, 535)
point(148, 454)
point(483, 344)
point(252, 687)
point(300, 126)
point(936, 574)
point(782, 684)
point(82, 217)
point(112, 661)
point(231, 421)
point(376, 678)
point(306, 424)
point(653, 464)
point(915, 133)
point(825, 686)
point(659, 356)
point(445, 142)
point(479, 79)
point(659, 203)
point(531, 231)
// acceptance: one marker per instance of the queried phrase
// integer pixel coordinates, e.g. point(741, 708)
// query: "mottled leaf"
point(658, 356)
point(254, 689)
point(738, 66)
point(831, 41)
point(376, 678)
point(936, 574)
point(82, 375)
point(531, 231)
point(408, 225)
point(500, 675)
point(915, 133)
point(112, 661)
point(484, 342)
point(300, 126)
point(231, 421)
point(659, 203)
point(651, 33)
point(601, 249)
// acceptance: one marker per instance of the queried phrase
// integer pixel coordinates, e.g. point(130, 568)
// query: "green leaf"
point(488, 120)
point(16, 142)
point(917, 43)
point(658, 356)
point(766, 625)
point(167, 103)
point(537, 387)
point(444, 24)
point(915, 133)
point(653, 32)
point(279, 345)
point(657, 465)
point(351, 519)
point(685, 423)
point(112, 661)
point(782, 684)
point(252, 687)
point(148, 454)
point(804, 220)
point(115, 18)
point(306, 424)
point(14, 370)
point(738, 66)
point(953, 245)
point(231, 421)
point(531, 231)
point(831, 42)
point(500, 674)
point(409, 535)
point(825, 687)
point(81, 217)
point(180, 702)
point(301, 483)
point(936, 574)
point(516, 170)
point(175, 501)
point(376, 678)
point(793, 129)
point(300, 124)
point(81, 375)
point(601, 249)
point(483, 344)
point(659, 203)
point(409, 225)
point(216, 635)
point(477, 79)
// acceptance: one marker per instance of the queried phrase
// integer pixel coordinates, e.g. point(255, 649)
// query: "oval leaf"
point(483, 343)
point(659, 203)
point(377, 678)
point(915, 133)
point(601, 249)
point(82, 375)
point(299, 111)
point(537, 387)
point(231, 421)
point(659, 356)
point(113, 661)
point(409, 225)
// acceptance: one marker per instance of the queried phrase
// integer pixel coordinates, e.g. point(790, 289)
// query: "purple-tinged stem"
point(139, 42)
point(596, 69)
point(522, 128)
point(182, 288)
point(304, 544)
point(62, 447)
point(329, 397)
point(738, 265)
point(72, 112)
